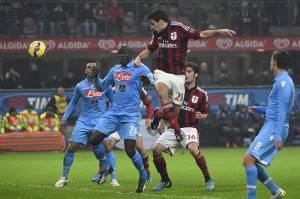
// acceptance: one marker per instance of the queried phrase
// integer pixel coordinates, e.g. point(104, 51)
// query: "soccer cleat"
point(114, 183)
point(104, 175)
point(210, 186)
point(96, 178)
point(141, 185)
point(280, 193)
point(62, 181)
point(162, 185)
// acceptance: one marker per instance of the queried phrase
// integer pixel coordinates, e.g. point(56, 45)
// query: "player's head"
point(125, 55)
point(90, 68)
point(158, 20)
point(280, 60)
point(191, 72)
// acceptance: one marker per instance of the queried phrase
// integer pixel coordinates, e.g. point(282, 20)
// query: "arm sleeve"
point(260, 109)
point(204, 102)
point(102, 84)
point(284, 97)
point(147, 73)
point(72, 105)
point(147, 101)
point(109, 96)
point(189, 32)
point(153, 44)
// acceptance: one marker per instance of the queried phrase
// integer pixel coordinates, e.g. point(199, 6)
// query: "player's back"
point(172, 46)
point(93, 102)
point(281, 99)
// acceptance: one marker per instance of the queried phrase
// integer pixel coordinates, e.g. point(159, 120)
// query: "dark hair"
point(12, 109)
point(282, 57)
point(124, 49)
point(194, 66)
point(157, 15)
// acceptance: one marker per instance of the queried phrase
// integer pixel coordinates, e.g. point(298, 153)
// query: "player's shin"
point(111, 159)
point(266, 180)
point(251, 175)
point(201, 162)
point(170, 114)
point(99, 152)
point(161, 166)
point(68, 160)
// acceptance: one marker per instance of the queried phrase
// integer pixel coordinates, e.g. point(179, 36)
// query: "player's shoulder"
point(180, 25)
point(201, 90)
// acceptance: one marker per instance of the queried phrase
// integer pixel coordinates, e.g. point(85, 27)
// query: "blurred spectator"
point(225, 122)
point(53, 81)
point(293, 75)
point(42, 16)
point(243, 126)
point(33, 78)
point(294, 134)
point(264, 78)
point(29, 29)
point(2, 21)
point(12, 79)
point(59, 102)
point(144, 24)
point(129, 26)
point(49, 121)
point(57, 21)
point(223, 75)
point(1, 125)
point(205, 78)
point(12, 121)
point(115, 19)
point(87, 21)
point(100, 16)
point(69, 81)
point(30, 119)
point(249, 77)
point(13, 16)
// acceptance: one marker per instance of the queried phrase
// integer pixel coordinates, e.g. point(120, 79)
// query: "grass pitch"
point(33, 175)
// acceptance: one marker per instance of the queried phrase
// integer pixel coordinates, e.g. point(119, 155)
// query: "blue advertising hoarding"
point(231, 96)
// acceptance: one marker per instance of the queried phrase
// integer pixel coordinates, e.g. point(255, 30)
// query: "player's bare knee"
point(248, 160)
point(72, 148)
point(107, 146)
point(193, 148)
point(157, 151)
point(130, 147)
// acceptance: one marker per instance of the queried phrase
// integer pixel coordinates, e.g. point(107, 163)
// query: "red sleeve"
point(203, 102)
point(147, 101)
point(189, 32)
point(153, 45)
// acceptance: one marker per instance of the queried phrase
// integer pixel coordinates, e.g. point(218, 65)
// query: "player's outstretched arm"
point(212, 33)
point(143, 55)
point(257, 109)
point(72, 105)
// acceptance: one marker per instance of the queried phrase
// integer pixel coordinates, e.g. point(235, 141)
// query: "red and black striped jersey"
point(172, 46)
point(195, 100)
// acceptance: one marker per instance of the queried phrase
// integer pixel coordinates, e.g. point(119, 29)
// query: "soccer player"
point(193, 109)
point(93, 106)
point(171, 39)
point(275, 130)
point(124, 115)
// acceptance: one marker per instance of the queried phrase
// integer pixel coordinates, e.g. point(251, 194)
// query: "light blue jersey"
point(124, 114)
point(93, 106)
point(276, 126)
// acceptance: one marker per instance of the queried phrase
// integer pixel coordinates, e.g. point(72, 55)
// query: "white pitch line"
point(105, 191)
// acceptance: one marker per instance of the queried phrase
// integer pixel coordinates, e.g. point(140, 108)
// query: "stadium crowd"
point(79, 18)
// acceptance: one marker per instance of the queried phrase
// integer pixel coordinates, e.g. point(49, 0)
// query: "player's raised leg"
point(201, 162)
point(161, 168)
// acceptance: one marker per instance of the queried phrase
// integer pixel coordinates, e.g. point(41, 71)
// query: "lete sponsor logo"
point(224, 43)
point(281, 43)
point(123, 76)
point(106, 44)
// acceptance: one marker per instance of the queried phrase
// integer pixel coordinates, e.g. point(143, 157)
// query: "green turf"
point(32, 175)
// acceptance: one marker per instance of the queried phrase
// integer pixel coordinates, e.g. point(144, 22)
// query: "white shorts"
point(175, 84)
point(169, 141)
